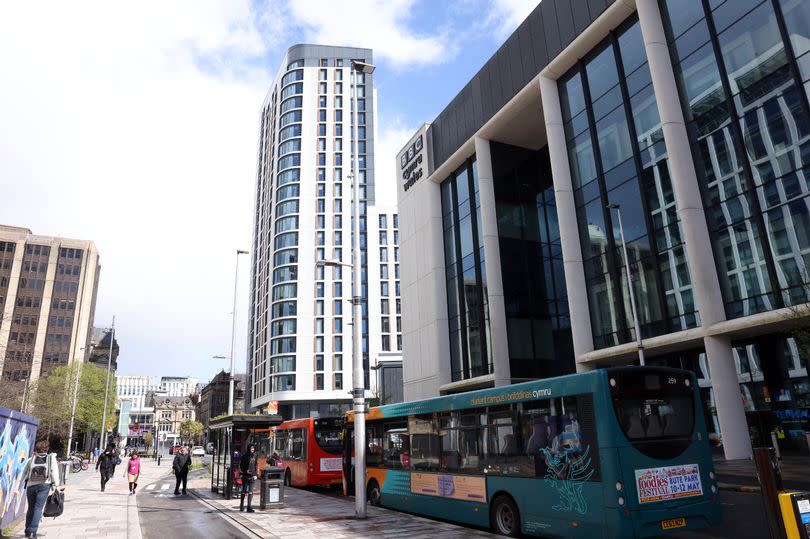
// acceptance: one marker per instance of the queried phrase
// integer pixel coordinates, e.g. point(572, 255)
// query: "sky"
point(135, 125)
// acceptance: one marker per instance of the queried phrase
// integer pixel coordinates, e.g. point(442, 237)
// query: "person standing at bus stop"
point(249, 469)
point(180, 466)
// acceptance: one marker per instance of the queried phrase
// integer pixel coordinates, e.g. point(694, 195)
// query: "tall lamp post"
point(76, 398)
point(629, 285)
point(233, 331)
point(358, 376)
point(107, 389)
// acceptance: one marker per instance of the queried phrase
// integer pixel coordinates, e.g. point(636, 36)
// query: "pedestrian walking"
point(42, 475)
point(180, 466)
point(95, 454)
point(133, 471)
point(247, 465)
point(106, 464)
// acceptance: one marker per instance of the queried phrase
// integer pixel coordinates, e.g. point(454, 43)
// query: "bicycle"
point(78, 463)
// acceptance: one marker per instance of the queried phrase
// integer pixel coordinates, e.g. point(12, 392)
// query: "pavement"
point(309, 515)
point(741, 475)
point(91, 513)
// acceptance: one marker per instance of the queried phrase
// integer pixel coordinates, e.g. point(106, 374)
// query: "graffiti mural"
point(17, 434)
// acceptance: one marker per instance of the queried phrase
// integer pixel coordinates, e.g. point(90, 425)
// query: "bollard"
point(158, 459)
point(770, 479)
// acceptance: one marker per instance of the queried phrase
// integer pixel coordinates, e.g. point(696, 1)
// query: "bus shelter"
point(231, 435)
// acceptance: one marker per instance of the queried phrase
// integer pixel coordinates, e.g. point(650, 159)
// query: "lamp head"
point(362, 67)
point(612, 206)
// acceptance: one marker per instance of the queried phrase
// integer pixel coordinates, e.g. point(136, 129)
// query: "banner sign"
point(668, 483)
point(458, 487)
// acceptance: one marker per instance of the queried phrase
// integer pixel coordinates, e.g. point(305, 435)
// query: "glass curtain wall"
point(538, 326)
point(745, 101)
point(468, 310)
point(617, 156)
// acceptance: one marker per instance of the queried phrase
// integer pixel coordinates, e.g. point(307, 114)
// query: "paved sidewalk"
point(741, 475)
point(92, 513)
point(308, 515)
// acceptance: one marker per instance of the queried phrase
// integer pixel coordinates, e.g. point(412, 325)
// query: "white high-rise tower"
point(299, 349)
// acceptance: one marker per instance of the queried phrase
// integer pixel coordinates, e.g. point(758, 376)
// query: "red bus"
point(311, 451)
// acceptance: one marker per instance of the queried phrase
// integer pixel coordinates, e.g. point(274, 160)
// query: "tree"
point(53, 400)
point(191, 431)
point(148, 439)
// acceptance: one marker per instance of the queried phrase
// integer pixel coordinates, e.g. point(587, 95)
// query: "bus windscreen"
point(655, 409)
point(327, 434)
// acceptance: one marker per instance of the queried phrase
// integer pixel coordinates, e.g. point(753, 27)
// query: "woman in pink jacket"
point(133, 471)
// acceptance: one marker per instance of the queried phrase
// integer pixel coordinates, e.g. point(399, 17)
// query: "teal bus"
point(616, 452)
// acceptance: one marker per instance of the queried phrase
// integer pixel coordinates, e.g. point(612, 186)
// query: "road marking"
point(164, 486)
point(150, 487)
point(231, 520)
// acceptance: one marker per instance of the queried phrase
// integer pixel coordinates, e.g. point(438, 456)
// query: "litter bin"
point(796, 514)
point(272, 484)
point(64, 467)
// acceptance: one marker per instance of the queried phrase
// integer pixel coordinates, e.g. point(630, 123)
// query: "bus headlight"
point(612, 382)
point(711, 475)
point(714, 489)
point(687, 382)
point(619, 485)
point(621, 500)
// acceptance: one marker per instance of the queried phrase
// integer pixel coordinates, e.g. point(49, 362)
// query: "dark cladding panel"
point(528, 63)
point(540, 38)
point(565, 21)
point(579, 10)
point(515, 66)
point(596, 7)
point(550, 28)
point(478, 111)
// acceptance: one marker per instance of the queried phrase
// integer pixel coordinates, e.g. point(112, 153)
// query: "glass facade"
point(617, 156)
point(538, 326)
point(468, 310)
point(745, 101)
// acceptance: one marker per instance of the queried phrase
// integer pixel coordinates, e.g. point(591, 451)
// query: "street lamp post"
point(107, 389)
point(358, 375)
point(629, 285)
point(233, 331)
point(75, 399)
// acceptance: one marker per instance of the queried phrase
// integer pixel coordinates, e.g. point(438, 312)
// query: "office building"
point(300, 333)
point(687, 119)
point(47, 302)
point(214, 397)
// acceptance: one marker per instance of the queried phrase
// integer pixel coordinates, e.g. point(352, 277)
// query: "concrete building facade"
point(48, 291)
point(687, 120)
point(299, 342)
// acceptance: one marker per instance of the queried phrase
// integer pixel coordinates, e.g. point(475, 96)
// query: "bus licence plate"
point(672, 523)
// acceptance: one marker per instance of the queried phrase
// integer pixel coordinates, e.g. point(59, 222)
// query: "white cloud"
point(506, 15)
point(136, 127)
point(382, 25)
point(390, 139)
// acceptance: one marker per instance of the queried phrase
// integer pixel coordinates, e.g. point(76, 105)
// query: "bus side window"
point(374, 442)
point(396, 446)
point(425, 448)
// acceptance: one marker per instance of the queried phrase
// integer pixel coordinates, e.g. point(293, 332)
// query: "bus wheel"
point(504, 517)
point(287, 478)
point(373, 493)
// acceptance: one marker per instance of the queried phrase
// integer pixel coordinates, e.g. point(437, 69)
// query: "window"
point(425, 443)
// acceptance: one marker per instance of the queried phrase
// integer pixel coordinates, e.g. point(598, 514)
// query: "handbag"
point(55, 504)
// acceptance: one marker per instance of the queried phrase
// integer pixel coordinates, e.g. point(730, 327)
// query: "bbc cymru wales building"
point(686, 119)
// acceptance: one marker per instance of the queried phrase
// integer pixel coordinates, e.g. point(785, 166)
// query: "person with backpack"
point(42, 474)
point(249, 469)
point(133, 471)
point(106, 464)
point(180, 466)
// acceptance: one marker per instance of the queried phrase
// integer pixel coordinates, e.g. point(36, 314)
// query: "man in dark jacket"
point(106, 464)
point(180, 466)
point(249, 470)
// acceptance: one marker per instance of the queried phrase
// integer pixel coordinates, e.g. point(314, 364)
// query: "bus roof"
point(559, 386)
